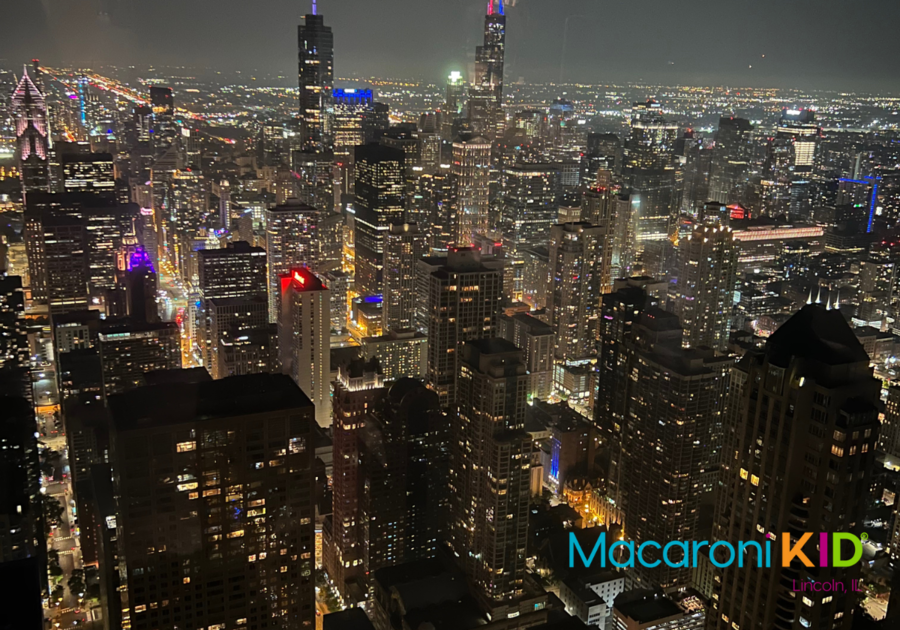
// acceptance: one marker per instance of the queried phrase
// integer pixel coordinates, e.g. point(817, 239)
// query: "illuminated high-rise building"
point(136, 285)
point(240, 512)
point(472, 169)
point(486, 92)
point(459, 300)
point(649, 170)
point(29, 113)
point(379, 203)
point(165, 130)
point(490, 452)
point(732, 153)
point(57, 259)
point(236, 271)
point(599, 207)
point(292, 240)
point(357, 390)
point(790, 157)
point(453, 104)
point(93, 172)
point(573, 301)
point(530, 204)
point(352, 108)
point(704, 292)
point(304, 337)
point(316, 75)
point(13, 335)
point(404, 245)
point(129, 349)
point(801, 432)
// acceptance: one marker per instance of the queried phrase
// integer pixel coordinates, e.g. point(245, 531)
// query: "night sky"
point(828, 44)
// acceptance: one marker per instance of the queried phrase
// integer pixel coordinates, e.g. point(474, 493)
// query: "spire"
point(809, 299)
point(819, 296)
point(314, 7)
point(837, 300)
point(490, 7)
point(828, 306)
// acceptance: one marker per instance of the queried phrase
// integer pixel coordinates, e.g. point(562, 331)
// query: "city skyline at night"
point(384, 316)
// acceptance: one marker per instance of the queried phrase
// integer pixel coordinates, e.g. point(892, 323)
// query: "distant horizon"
point(698, 43)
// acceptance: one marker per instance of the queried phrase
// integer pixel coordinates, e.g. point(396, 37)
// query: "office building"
point(228, 541)
point(731, 159)
point(400, 353)
point(704, 292)
point(810, 403)
point(57, 259)
point(32, 127)
point(251, 351)
point(352, 113)
point(292, 240)
point(404, 245)
point(471, 170)
point(22, 534)
point(93, 172)
point(486, 92)
point(165, 129)
point(13, 333)
point(129, 349)
point(652, 610)
point(339, 285)
point(459, 301)
point(530, 204)
point(649, 170)
point(537, 341)
point(231, 318)
point(789, 162)
point(304, 337)
point(359, 387)
point(316, 77)
point(136, 286)
point(491, 450)
point(672, 440)
point(236, 271)
point(573, 302)
point(379, 203)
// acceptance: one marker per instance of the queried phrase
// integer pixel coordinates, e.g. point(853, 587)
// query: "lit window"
point(184, 447)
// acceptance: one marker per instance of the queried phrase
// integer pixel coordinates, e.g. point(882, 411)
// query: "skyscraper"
point(57, 259)
point(672, 442)
point(731, 157)
point(790, 157)
point(404, 245)
point(704, 292)
point(316, 77)
point(129, 349)
point(576, 254)
point(136, 285)
point(530, 204)
point(13, 335)
point(304, 337)
point(236, 271)
point(490, 450)
point(93, 172)
point(379, 203)
point(486, 92)
point(471, 168)
point(358, 389)
point(801, 431)
point(291, 241)
point(459, 301)
point(236, 535)
point(649, 170)
point(165, 130)
point(29, 113)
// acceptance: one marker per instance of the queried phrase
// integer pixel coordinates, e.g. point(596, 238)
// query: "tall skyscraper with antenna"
point(486, 93)
point(316, 76)
point(29, 113)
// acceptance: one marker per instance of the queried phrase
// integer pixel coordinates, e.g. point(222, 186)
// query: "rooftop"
point(176, 403)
